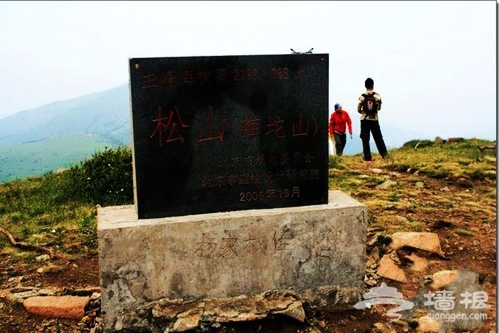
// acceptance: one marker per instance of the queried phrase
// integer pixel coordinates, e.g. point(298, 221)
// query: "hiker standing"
point(337, 128)
point(369, 105)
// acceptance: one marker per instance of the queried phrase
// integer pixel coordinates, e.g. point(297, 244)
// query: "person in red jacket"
point(337, 128)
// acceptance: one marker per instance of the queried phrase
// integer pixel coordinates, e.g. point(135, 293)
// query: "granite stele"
point(230, 158)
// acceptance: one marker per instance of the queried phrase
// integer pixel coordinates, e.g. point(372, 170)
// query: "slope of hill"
point(55, 135)
point(444, 189)
point(36, 158)
point(105, 113)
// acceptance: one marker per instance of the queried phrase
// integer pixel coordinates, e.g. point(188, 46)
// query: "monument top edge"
point(112, 217)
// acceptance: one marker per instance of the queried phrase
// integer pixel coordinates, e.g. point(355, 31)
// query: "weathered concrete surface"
point(196, 257)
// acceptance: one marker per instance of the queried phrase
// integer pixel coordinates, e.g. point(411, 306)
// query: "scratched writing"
point(206, 247)
point(224, 247)
point(281, 240)
point(228, 247)
point(238, 244)
point(255, 245)
point(332, 235)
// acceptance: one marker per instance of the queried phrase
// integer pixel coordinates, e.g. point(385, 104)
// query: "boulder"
point(419, 264)
point(428, 325)
point(69, 307)
point(443, 279)
point(427, 241)
point(389, 269)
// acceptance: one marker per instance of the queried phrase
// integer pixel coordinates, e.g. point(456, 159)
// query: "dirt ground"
point(462, 206)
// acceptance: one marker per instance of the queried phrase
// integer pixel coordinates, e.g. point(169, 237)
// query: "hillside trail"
point(461, 213)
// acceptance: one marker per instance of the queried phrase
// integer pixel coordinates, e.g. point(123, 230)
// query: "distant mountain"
point(105, 113)
point(36, 158)
point(57, 135)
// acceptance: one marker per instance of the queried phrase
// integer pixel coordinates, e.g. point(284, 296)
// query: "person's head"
point(338, 107)
point(369, 84)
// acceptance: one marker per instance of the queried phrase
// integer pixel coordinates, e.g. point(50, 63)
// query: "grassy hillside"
point(36, 158)
point(424, 183)
point(105, 112)
point(58, 209)
point(447, 188)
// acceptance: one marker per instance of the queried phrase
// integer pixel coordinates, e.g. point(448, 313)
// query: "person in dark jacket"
point(369, 105)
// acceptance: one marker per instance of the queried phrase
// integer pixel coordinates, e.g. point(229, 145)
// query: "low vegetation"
point(59, 208)
point(448, 188)
point(426, 181)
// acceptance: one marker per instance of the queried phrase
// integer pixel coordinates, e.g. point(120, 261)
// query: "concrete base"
point(228, 254)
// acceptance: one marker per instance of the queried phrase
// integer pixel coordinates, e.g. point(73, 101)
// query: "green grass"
point(59, 208)
point(443, 160)
point(37, 158)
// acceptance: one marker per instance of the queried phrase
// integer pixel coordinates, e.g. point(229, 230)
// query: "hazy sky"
point(433, 62)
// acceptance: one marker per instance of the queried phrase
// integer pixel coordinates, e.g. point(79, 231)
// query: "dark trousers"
point(340, 141)
point(373, 127)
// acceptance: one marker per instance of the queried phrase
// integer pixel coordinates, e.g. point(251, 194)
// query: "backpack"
point(370, 104)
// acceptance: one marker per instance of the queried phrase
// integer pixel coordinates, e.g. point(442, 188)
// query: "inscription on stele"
point(225, 133)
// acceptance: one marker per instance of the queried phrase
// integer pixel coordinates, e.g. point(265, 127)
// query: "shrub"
point(414, 144)
point(105, 178)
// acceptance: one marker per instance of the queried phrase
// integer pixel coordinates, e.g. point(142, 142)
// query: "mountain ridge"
point(104, 112)
point(91, 122)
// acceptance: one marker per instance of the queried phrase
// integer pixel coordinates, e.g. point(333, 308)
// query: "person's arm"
point(349, 123)
point(379, 99)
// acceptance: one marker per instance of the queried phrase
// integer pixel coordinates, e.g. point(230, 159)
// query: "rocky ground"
point(458, 218)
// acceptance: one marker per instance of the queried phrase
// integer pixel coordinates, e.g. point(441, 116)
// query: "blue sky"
point(433, 62)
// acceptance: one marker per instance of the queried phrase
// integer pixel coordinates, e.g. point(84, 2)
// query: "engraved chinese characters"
point(215, 134)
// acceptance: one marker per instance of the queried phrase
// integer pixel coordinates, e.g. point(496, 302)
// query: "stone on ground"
point(426, 241)
point(389, 269)
point(69, 307)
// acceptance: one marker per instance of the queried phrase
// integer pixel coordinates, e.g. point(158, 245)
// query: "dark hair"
point(369, 83)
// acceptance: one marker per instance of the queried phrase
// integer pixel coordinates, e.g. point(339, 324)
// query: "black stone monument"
point(223, 133)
